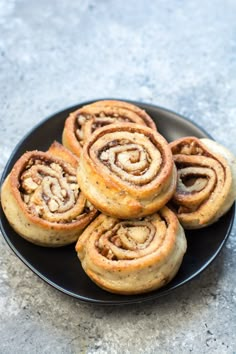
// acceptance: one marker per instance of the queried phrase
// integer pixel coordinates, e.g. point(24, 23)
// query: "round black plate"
point(61, 268)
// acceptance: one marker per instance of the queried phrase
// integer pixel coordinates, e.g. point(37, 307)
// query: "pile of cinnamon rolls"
point(122, 193)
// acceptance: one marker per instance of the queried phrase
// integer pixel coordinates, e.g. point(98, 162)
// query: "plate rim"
point(152, 295)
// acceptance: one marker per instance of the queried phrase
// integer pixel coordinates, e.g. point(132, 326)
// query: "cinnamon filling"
point(87, 124)
point(200, 177)
point(126, 240)
point(50, 191)
point(128, 160)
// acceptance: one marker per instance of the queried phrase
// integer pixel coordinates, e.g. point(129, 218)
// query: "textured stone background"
point(179, 54)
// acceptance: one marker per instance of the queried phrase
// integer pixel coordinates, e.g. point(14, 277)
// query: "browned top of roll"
point(84, 121)
point(127, 166)
point(204, 182)
point(46, 187)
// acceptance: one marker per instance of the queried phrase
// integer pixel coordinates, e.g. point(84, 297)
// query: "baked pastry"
point(84, 121)
point(42, 200)
point(139, 112)
point(132, 256)
point(206, 186)
point(127, 171)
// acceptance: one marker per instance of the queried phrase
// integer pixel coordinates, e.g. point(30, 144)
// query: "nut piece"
point(53, 205)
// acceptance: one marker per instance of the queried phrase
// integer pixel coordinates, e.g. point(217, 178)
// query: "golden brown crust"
point(205, 188)
point(60, 151)
point(41, 198)
point(129, 107)
point(127, 170)
point(84, 121)
point(132, 256)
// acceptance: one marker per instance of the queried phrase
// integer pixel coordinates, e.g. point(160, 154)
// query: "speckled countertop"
point(180, 54)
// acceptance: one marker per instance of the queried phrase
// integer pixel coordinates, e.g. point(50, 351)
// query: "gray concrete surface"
point(180, 54)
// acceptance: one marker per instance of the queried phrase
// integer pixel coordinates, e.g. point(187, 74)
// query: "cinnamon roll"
point(206, 186)
point(132, 256)
point(84, 121)
point(42, 200)
point(127, 170)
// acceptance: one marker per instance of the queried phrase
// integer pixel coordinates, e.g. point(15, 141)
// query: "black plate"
point(61, 268)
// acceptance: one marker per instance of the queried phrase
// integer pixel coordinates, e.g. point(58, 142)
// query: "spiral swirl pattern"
point(84, 121)
point(204, 187)
point(42, 200)
point(127, 171)
point(133, 256)
point(50, 190)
